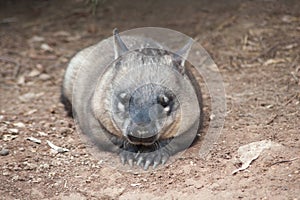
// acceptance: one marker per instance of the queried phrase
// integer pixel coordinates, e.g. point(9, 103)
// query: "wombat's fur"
point(145, 105)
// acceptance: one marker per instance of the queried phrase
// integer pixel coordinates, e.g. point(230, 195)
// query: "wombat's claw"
point(127, 156)
point(139, 161)
point(155, 158)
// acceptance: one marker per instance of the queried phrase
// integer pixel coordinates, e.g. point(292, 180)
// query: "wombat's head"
point(146, 114)
point(146, 84)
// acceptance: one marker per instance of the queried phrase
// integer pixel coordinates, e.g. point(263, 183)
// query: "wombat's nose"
point(142, 118)
point(143, 131)
point(142, 134)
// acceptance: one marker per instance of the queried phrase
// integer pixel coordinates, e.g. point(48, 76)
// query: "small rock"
point(45, 166)
point(36, 39)
point(9, 20)
point(8, 137)
point(195, 183)
point(88, 181)
point(6, 122)
point(40, 67)
point(113, 192)
point(4, 152)
point(21, 149)
point(35, 140)
point(73, 38)
point(36, 180)
point(192, 163)
point(21, 80)
point(135, 184)
point(46, 47)
point(34, 73)
point(64, 131)
point(30, 112)
point(29, 166)
point(57, 148)
point(15, 178)
point(288, 18)
point(6, 173)
point(41, 133)
point(61, 34)
point(27, 97)
point(19, 125)
point(13, 130)
point(44, 77)
point(215, 186)
point(64, 60)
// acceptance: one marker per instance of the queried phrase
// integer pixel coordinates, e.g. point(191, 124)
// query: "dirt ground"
point(256, 45)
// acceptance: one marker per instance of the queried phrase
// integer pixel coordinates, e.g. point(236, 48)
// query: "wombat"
point(133, 97)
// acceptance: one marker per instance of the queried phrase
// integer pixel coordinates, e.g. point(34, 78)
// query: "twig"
point(294, 63)
point(8, 20)
point(295, 77)
point(57, 148)
point(273, 48)
point(272, 119)
point(226, 23)
point(17, 65)
point(290, 99)
point(266, 52)
point(283, 161)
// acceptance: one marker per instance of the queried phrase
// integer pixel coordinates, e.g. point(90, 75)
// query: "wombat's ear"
point(119, 46)
point(182, 54)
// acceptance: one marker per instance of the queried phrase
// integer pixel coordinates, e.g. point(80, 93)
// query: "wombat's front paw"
point(155, 158)
point(128, 157)
point(144, 160)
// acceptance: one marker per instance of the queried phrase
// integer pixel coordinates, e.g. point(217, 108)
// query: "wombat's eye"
point(123, 97)
point(121, 107)
point(163, 100)
point(122, 101)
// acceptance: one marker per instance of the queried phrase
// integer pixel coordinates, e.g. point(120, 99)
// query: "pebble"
point(30, 112)
point(19, 125)
point(4, 152)
point(34, 73)
point(41, 133)
point(135, 184)
point(27, 97)
point(5, 173)
point(35, 140)
point(212, 117)
point(21, 149)
point(15, 178)
point(44, 77)
point(13, 130)
point(61, 34)
point(30, 96)
point(9, 137)
point(46, 47)
point(36, 39)
point(21, 80)
point(64, 131)
point(57, 148)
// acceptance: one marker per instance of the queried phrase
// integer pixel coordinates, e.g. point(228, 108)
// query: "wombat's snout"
point(143, 132)
point(146, 115)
